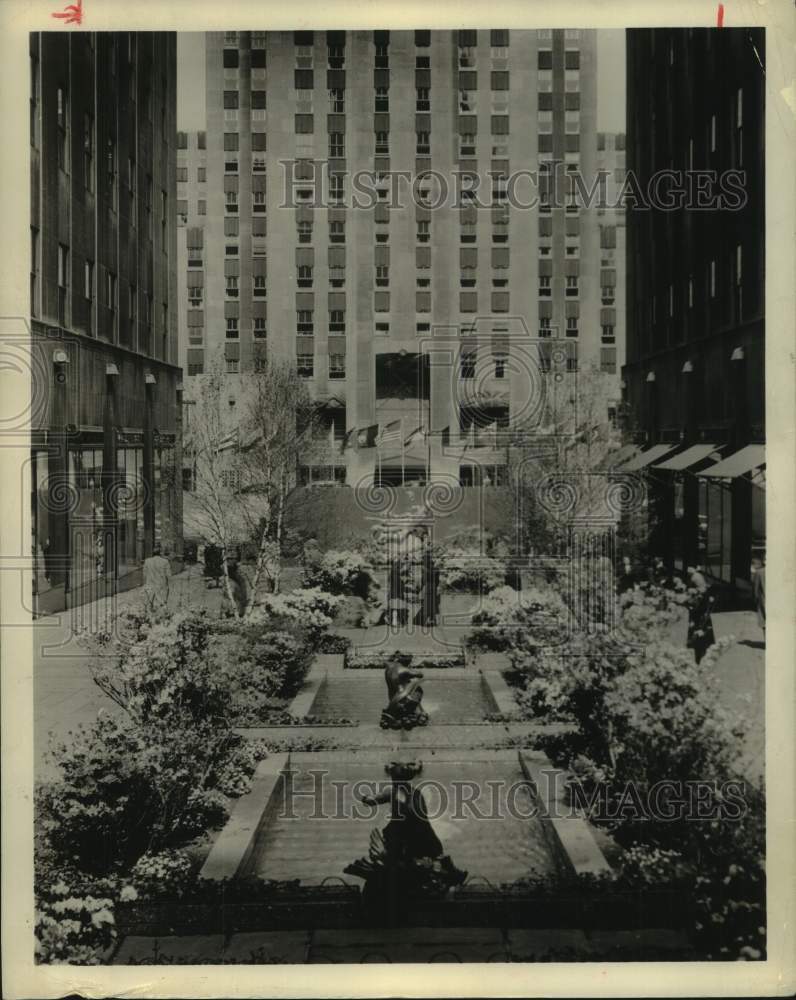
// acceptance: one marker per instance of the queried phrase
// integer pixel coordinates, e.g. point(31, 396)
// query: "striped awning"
point(753, 456)
point(691, 456)
point(646, 458)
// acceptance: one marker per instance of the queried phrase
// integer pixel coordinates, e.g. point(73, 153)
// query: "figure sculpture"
point(404, 694)
point(406, 859)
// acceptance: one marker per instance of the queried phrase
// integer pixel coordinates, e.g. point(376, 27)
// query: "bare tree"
point(280, 426)
point(215, 493)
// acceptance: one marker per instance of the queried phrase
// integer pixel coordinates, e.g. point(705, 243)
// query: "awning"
point(646, 458)
point(696, 453)
point(743, 461)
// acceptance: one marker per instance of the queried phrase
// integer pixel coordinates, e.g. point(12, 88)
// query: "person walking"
point(700, 626)
point(238, 587)
point(759, 591)
point(157, 581)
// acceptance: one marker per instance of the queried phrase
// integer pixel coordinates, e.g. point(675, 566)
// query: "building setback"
point(415, 316)
point(695, 291)
point(106, 435)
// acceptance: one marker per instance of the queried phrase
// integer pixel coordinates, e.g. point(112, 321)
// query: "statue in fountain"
point(404, 694)
point(405, 859)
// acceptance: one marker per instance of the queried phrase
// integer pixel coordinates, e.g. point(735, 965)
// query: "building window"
point(336, 144)
point(337, 366)
point(608, 335)
point(382, 104)
point(382, 329)
point(382, 144)
point(232, 328)
point(260, 331)
point(545, 282)
point(305, 276)
point(467, 361)
point(63, 281)
point(304, 232)
point(423, 99)
point(382, 276)
point(231, 203)
point(467, 232)
point(572, 326)
point(196, 368)
point(337, 100)
point(110, 291)
point(232, 286)
point(336, 187)
point(232, 250)
point(337, 321)
point(382, 57)
point(258, 286)
point(336, 57)
point(337, 232)
point(232, 366)
point(544, 326)
point(34, 102)
point(467, 144)
point(423, 146)
point(304, 321)
point(572, 286)
point(500, 366)
point(608, 360)
point(739, 127)
point(305, 365)
point(423, 231)
point(422, 62)
point(63, 129)
point(258, 201)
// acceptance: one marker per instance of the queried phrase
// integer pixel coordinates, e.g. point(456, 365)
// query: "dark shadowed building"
point(102, 299)
point(694, 377)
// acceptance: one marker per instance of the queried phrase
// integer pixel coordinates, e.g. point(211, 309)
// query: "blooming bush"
point(343, 573)
point(161, 874)
point(125, 790)
point(311, 607)
point(535, 617)
point(468, 570)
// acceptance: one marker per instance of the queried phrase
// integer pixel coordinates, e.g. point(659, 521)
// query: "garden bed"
point(416, 661)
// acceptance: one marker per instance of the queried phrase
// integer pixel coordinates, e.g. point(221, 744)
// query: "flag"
point(367, 436)
point(349, 439)
point(392, 431)
point(418, 434)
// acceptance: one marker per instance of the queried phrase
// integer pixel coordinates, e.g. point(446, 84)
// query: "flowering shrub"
point(342, 572)
point(467, 569)
point(162, 874)
point(233, 777)
point(535, 617)
point(160, 671)
point(125, 790)
point(312, 608)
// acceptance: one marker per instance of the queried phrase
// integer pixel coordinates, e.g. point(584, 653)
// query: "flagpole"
point(403, 455)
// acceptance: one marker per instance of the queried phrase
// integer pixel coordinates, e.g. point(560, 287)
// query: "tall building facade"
point(694, 374)
point(611, 165)
point(106, 436)
point(370, 215)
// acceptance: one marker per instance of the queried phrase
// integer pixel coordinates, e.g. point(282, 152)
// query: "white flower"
point(128, 894)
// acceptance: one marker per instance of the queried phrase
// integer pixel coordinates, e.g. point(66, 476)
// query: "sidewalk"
point(64, 696)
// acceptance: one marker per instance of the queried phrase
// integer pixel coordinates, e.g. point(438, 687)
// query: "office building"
point(406, 315)
point(694, 374)
point(105, 436)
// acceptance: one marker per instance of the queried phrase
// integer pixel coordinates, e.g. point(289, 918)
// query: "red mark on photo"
point(720, 21)
point(72, 14)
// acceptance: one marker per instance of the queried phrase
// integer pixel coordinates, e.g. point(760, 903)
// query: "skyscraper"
point(371, 216)
point(695, 302)
point(102, 301)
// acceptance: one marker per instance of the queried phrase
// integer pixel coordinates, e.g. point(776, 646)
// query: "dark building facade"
point(694, 373)
point(106, 415)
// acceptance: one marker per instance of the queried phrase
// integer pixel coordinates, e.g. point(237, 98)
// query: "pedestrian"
point(157, 581)
point(759, 591)
point(700, 626)
point(237, 586)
